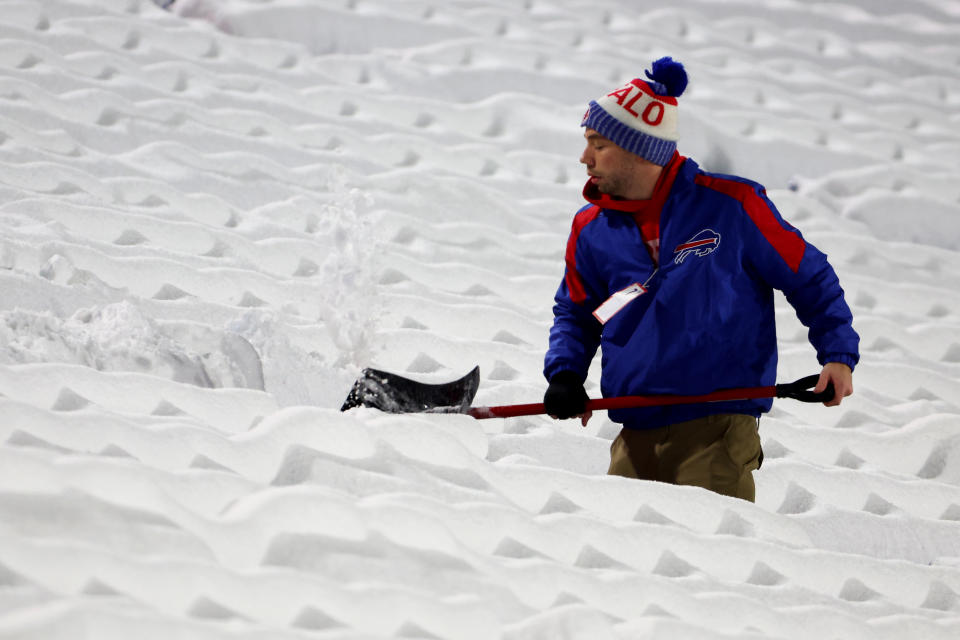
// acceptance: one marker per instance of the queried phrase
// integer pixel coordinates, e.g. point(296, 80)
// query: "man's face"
point(611, 168)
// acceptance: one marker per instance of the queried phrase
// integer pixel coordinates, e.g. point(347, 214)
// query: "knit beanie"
point(641, 116)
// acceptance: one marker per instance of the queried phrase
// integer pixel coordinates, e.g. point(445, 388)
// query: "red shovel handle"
point(796, 390)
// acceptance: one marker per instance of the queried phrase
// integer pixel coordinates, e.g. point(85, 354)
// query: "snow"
point(213, 217)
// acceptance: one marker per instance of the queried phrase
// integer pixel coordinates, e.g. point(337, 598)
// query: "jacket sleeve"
point(789, 263)
point(575, 334)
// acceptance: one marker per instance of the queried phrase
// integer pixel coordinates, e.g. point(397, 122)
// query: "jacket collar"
point(660, 192)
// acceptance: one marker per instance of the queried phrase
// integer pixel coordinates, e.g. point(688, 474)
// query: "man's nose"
point(586, 158)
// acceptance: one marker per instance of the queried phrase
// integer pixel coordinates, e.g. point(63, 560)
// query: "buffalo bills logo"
point(700, 245)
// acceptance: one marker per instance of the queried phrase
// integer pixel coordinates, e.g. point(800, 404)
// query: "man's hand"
point(842, 378)
point(566, 398)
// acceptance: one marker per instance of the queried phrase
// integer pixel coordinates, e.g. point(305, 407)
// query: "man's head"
point(641, 116)
point(615, 171)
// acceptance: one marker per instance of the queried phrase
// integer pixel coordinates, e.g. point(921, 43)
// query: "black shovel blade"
point(395, 394)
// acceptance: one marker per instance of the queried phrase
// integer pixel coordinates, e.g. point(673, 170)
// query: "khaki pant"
point(717, 452)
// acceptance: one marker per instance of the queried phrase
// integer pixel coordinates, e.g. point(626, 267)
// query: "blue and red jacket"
point(706, 321)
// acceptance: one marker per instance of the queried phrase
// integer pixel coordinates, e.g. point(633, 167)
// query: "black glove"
point(565, 397)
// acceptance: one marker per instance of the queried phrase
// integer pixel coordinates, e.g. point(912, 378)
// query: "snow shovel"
point(395, 394)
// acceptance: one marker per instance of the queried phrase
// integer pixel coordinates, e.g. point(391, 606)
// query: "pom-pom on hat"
point(641, 116)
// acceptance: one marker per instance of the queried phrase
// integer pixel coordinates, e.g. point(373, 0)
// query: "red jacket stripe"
point(578, 292)
point(788, 244)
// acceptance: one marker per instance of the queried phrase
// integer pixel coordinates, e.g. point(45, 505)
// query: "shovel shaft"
point(395, 394)
point(627, 402)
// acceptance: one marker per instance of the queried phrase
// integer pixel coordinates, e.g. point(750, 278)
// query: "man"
point(672, 270)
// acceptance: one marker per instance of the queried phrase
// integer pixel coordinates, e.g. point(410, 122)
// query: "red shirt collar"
point(660, 192)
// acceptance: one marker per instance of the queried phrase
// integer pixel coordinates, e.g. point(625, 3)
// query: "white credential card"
point(618, 301)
